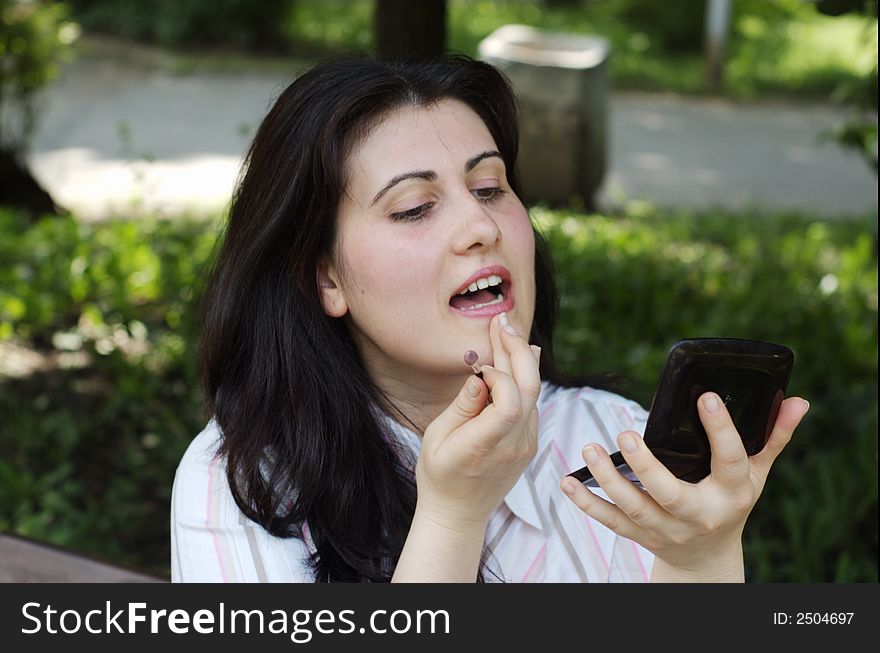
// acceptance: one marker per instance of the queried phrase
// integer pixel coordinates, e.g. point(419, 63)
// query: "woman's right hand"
point(473, 452)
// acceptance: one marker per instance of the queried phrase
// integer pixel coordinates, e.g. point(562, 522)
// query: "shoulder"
point(211, 539)
point(201, 490)
point(202, 451)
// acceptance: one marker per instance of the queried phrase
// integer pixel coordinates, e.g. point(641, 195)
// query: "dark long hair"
point(285, 382)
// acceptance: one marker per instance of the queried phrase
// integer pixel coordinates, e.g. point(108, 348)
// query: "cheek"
point(521, 237)
point(521, 242)
point(385, 275)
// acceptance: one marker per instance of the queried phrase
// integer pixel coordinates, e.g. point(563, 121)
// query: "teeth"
point(497, 300)
point(481, 283)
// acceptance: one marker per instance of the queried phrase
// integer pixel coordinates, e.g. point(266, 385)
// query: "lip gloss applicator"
point(470, 358)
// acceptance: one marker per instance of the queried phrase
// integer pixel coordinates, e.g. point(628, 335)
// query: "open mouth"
point(486, 291)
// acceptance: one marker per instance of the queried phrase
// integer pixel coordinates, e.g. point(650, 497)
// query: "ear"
point(330, 290)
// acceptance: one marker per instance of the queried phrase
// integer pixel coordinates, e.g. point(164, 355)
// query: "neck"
point(414, 400)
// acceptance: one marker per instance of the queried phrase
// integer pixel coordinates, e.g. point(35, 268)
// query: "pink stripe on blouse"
point(209, 517)
point(587, 519)
point(541, 553)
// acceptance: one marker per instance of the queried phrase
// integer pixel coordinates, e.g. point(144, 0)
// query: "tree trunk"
point(407, 29)
point(19, 189)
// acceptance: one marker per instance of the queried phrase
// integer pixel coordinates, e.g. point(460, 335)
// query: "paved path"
point(127, 139)
point(687, 152)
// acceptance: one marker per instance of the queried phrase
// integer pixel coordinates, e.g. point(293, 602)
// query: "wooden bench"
point(27, 561)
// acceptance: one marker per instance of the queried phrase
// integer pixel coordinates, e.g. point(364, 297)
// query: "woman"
point(376, 238)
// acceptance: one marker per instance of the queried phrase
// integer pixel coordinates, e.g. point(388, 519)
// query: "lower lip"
point(488, 311)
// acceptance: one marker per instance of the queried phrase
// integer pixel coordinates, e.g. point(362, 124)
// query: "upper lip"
point(498, 270)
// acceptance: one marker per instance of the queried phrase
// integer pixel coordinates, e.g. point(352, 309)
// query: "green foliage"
point(32, 38)
point(783, 46)
point(241, 23)
point(89, 444)
point(675, 25)
point(779, 46)
point(332, 26)
point(859, 130)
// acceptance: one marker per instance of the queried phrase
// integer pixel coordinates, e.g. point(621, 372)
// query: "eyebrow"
point(430, 175)
point(472, 162)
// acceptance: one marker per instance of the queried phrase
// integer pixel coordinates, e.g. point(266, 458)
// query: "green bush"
point(678, 26)
point(780, 46)
point(89, 444)
point(241, 23)
point(88, 447)
point(675, 25)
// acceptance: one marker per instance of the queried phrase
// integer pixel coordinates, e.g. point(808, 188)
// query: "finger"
point(500, 357)
point(604, 512)
point(670, 493)
point(499, 418)
point(468, 403)
point(537, 353)
point(791, 412)
point(730, 462)
point(533, 426)
point(523, 364)
point(637, 505)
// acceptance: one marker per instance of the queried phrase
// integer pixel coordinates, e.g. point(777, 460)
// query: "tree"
point(404, 28)
point(32, 37)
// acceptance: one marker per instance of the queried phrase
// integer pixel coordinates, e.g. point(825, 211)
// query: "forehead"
point(419, 138)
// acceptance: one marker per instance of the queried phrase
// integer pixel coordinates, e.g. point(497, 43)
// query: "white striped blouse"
point(535, 535)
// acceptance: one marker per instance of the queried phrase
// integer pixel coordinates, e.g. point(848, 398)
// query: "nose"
point(475, 227)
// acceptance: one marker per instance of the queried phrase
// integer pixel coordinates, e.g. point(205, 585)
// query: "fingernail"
point(505, 324)
point(590, 455)
point(568, 487)
point(472, 389)
point(536, 351)
point(628, 443)
point(806, 405)
point(710, 403)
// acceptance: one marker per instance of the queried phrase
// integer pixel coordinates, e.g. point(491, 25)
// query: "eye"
point(489, 194)
point(411, 215)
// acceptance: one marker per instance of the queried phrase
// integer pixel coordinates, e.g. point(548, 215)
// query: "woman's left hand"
point(693, 529)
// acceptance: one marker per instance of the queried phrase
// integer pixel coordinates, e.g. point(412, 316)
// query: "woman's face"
point(428, 213)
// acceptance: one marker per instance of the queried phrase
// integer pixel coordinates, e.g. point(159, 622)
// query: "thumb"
point(468, 403)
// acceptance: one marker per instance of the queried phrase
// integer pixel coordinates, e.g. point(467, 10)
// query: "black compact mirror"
point(750, 376)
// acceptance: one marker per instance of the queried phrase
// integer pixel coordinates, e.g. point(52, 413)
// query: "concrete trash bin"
point(561, 84)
